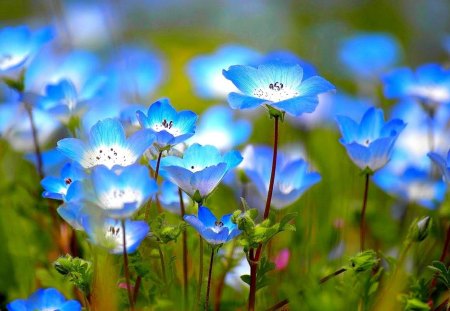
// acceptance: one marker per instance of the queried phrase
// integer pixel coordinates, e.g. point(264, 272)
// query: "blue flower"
point(44, 299)
point(56, 187)
point(169, 127)
point(429, 84)
point(287, 58)
point(108, 233)
point(442, 164)
point(369, 143)
point(213, 231)
point(205, 70)
point(217, 128)
point(412, 185)
point(368, 55)
point(170, 198)
point(120, 192)
point(107, 145)
point(18, 45)
point(292, 175)
point(277, 85)
point(200, 170)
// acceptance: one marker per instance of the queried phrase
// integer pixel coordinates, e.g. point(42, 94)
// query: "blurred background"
point(145, 50)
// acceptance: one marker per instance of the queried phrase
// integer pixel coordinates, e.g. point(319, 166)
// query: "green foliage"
point(164, 232)
point(363, 261)
point(262, 279)
point(419, 229)
point(416, 299)
point(442, 273)
point(78, 271)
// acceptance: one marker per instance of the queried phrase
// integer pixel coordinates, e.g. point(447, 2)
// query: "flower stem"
point(209, 277)
point(37, 149)
point(163, 266)
point(254, 257)
point(362, 229)
point(200, 271)
point(149, 204)
point(125, 265)
point(185, 263)
point(332, 275)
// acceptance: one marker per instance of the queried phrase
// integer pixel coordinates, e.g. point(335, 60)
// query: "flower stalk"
point(184, 240)
point(125, 266)
point(213, 250)
point(362, 228)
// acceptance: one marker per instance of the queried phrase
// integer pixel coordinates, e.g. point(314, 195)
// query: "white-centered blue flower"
point(107, 145)
point(200, 170)
point(56, 187)
point(170, 127)
point(278, 85)
point(214, 231)
point(292, 177)
point(49, 299)
point(108, 233)
point(369, 144)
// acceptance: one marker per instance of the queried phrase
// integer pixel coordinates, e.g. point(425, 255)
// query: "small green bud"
point(364, 261)
point(419, 229)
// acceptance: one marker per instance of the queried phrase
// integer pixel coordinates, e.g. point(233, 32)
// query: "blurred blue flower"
point(128, 115)
point(369, 143)
point(170, 198)
point(368, 55)
point(214, 231)
point(56, 187)
point(200, 170)
point(120, 192)
point(430, 84)
point(412, 185)
point(205, 71)
point(52, 161)
point(217, 128)
point(170, 127)
point(108, 233)
point(442, 163)
point(44, 299)
point(287, 58)
point(107, 145)
point(18, 45)
point(277, 85)
point(292, 175)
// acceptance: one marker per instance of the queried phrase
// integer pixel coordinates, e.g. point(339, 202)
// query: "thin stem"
point(149, 204)
point(125, 266)
point(209, 277)
point(163, 266)
point(284, 302)
point(362, 229)
point(254, 258)
point(221, 282)
point(431, 131)
point(446, 245)
point(158, 162)
point(200, 271)
point(37, 149)
point(185, 263)
point(137, 286)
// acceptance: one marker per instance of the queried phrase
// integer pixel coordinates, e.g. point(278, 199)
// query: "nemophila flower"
point(56, 187)
point(217, 128)
point(368, 55)
point(442, 163)
point(128, 115)
point(412, 185)
point(18, 45)
point(120, 192)
point(205, 71)
point(287, 58)
point(107, 145)
point(170, 127)
point(430, 84)
point(170, 198)
point(44, 299)
point(214, 231)
point(292, 176)
point(200, 170)
point(277, 85)
point(108, 233)
point(369, 144)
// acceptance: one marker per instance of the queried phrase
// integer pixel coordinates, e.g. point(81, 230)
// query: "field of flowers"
point(229, 155)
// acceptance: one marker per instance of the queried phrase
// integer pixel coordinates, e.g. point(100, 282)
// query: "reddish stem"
point(185, 263)
point(362, 229)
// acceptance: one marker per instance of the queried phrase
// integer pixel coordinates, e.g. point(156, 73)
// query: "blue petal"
point(206, 216)
point(54, 188)
point(201, 156)
point(215, 238)
point(140, 141)
point(72, 148)
point(108, 132)
point(232, 159)
point(314, 86)
point(359, 154)
point(103, 179)
point(135, 232)
point(245, 78)
point(392, 128)
point(380, 152)
point(181, 177)
point(239, 101)
point(297, 105)
point(71, 305)
point(206, 180)
point(371, 124)
point(161, 110)
point(398, 82)
point(194, 222)
point(349, 129)
point(441, 164)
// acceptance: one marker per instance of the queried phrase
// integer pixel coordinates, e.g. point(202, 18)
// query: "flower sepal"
point(363, 261)
point(367, 171)
point(78, 271)
point(16, 84)
point(275, 113)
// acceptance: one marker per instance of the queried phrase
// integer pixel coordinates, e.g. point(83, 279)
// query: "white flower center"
point(117, 198)
point(275, 92)
point(435, 93)
point(7, 60)
point(218, 225)
point(167, 126)
point(108, 156)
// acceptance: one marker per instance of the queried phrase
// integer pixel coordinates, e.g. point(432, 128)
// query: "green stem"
point(34, 133)
point(200, 271)
point(185, 262)
point(362, 229)
point(125, 266)
point(209, 277)
point(163, 266)
point(149, 204)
